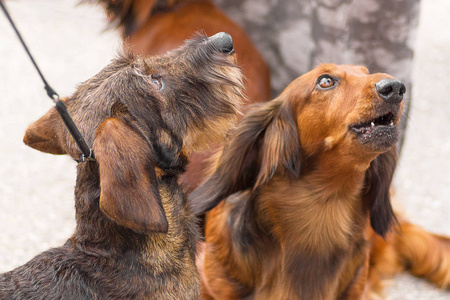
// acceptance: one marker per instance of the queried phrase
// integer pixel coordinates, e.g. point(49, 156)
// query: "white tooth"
point(392, 123)
point(372, 124)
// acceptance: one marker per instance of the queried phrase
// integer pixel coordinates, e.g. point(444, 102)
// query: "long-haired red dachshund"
point(153, 27)
point(305, 179)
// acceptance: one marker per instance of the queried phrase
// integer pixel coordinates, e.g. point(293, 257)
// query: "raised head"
point(143, 116)
point(339, 116)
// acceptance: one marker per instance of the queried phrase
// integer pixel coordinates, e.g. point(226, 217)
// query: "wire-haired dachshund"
point(155, 26)
point(135, 234)
point(305, 182)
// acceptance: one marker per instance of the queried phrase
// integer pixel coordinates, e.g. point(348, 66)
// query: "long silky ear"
point(378, 181)
point(266, 141)
point(128, 183)
point(46, 133)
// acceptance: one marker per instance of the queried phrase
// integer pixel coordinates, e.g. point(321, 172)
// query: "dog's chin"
point(377, 138)
point(378, 134)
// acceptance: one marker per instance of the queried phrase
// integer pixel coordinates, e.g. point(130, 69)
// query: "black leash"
point(87, 153)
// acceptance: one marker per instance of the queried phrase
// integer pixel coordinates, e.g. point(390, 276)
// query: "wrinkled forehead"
point(309, 80)
point(162, 61)
point(341, 70)
point(303, 86)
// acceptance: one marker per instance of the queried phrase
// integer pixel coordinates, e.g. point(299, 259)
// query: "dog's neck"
point(321, 209)
point(95, 232)
point(136, 260)
point(314, 223)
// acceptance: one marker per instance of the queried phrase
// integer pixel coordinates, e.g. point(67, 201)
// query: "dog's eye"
point(326, 82)
point(157, 80)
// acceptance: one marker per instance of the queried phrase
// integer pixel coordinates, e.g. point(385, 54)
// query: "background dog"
point(305, 179)
point(135, 236)
point(153, 27)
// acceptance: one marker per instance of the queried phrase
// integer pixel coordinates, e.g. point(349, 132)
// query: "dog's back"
point(50, 268)
point(412, 249)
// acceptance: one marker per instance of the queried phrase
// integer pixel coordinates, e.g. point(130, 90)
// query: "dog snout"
point(390, 90)
point(223, 41)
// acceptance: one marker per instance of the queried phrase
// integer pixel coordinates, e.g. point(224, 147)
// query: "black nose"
point(391, 90)
point(223, 41)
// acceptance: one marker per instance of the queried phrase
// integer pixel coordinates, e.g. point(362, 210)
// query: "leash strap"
point(87, 153)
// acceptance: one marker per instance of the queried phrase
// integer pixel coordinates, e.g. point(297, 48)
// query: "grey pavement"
point(70, 45)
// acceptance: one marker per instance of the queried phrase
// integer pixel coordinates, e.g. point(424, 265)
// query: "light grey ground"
point(68, 41)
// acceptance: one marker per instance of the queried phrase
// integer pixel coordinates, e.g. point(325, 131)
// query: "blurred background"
point(70, 43)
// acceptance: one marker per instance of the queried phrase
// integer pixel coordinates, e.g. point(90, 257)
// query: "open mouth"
point(368, 127)
point(378, 134)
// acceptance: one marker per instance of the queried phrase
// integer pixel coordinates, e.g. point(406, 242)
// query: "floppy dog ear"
point(45, 134)
point(378, 180)
point(129, 191)
point(265, 142)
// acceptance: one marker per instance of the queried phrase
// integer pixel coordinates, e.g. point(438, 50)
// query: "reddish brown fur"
point(154, 27)
point(412, 249)
point(135, 236)
point(302, 193)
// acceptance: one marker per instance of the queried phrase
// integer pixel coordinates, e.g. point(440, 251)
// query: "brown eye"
point(326, 82)
point(157, 80)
